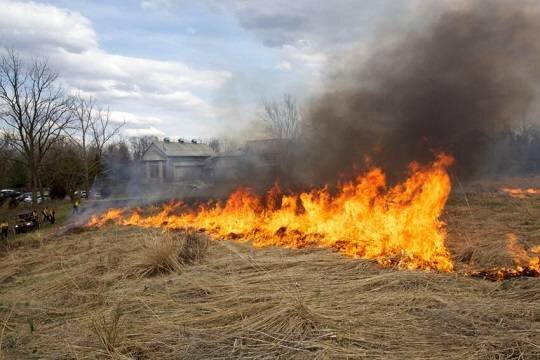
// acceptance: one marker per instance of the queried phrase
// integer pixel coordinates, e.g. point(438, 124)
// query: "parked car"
point(81, 194)
point(27, 198)
point(23, 196)
point(9, 193)
point(26, 221)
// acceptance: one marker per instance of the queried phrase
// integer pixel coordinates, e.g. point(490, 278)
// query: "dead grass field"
point(89, 295)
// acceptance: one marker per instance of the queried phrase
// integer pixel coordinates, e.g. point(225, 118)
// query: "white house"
point(175, 161)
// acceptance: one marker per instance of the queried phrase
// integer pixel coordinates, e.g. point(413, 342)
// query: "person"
point(35, 218)
point(76, 206)
point(4, 227)
point(52, 215)
point(46, 214)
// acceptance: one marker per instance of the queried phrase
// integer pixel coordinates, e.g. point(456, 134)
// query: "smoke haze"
point(447, 85)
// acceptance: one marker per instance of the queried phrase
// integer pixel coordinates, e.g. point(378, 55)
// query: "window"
point(154, 170)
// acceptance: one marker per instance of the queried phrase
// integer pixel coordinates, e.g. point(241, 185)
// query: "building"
point(170, 161)
point(225, 167)
point(266, 152)
point(256, 158)
point(176, 161)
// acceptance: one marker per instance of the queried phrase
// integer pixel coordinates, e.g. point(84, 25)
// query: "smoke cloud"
point(448, 85)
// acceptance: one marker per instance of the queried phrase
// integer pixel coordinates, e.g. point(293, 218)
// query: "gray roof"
point(174, 148)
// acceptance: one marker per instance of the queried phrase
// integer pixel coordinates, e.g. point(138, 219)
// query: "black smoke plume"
point(449, 85)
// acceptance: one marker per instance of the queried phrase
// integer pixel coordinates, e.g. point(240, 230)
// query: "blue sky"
point(194, 68)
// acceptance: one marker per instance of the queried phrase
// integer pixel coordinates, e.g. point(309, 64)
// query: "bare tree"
point(139, 145)
point(103, 130)
point(214, 144)
point(94, 130)
point(282, 118)
point(224, 145)
point(33, 109)
point(84, 112)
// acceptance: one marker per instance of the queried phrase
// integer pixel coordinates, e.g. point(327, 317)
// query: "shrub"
point(194, 247)
point(168, 252)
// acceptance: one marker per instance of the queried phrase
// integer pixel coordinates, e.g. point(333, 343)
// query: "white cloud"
point(26, 24)
point(305, 55)
point(155, 4)
point(284, 65)
point(133, 119)
point(144, 131)
point(70, 43)
point(156, 83)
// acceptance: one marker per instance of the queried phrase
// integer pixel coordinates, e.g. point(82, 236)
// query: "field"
point(118, 293)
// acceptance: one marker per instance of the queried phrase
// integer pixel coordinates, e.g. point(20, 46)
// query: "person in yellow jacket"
point(4, 227)
point(46, 214)
point(76, 206)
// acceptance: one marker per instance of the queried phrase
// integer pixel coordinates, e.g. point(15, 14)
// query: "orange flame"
point(109, 215)
point(520, 255)
point(395, 226)
point(524, 265)
point(521, 193)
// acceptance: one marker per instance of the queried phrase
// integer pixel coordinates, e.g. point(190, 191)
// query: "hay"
point(230, 300)
point(160, 256)
point(168, 252)
point(194, 247)
point(108, 331)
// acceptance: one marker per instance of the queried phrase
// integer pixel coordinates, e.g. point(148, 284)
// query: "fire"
point(109, 215)
point(521, 193)
point(524, 265)
point(395, 226)
point(521, 256)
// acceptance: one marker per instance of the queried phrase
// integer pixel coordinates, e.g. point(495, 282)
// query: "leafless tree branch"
point(34, 110)
point(282, 118)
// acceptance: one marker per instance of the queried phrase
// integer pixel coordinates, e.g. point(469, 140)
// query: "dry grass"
point(108, 331)
point(230, 300)
point(169, 252)
point(478, 225)
point(194, 247)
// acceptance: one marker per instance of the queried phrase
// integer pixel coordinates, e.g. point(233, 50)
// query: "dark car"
point(26, 221)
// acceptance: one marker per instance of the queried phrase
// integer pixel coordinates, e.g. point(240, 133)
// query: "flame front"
point(521, 193)
point(521, 258)
point(395, 226)
point(524, 264)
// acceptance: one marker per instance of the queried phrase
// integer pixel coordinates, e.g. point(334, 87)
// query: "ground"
point(85, 294)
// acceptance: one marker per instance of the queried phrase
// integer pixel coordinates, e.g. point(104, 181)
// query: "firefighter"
point(4, 227)
point(35, 217)
point(76, 206)
point(52, 216)
point(46, 214)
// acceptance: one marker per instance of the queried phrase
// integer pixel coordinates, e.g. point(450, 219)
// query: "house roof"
point(171, 148)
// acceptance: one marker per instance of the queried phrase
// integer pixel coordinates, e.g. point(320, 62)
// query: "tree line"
point(66, 142)
point(53, 139)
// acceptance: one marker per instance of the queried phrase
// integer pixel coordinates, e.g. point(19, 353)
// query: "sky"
point(194, 69)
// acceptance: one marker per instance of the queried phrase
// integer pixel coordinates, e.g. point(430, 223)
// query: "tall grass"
point(169, 252)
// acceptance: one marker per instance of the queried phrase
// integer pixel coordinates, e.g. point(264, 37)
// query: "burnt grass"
point(73, 295)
